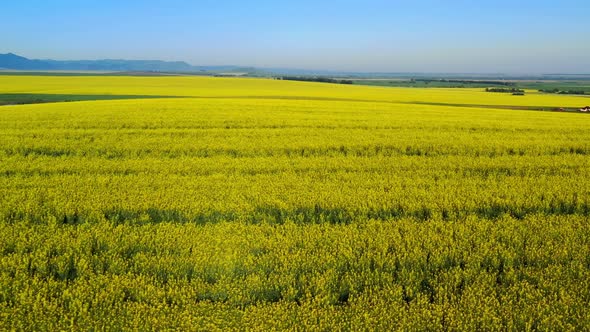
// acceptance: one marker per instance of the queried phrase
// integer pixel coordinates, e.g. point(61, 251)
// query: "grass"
point(39, 98)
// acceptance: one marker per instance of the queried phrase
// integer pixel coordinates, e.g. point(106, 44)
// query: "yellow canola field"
point(272, 205)
point(268, 88)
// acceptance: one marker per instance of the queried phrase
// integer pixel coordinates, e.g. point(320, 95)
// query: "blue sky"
point(371, 35)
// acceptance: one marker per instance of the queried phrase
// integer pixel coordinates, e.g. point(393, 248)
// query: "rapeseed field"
point(257, 204)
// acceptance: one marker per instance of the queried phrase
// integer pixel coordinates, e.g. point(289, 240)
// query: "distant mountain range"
point(12, 61)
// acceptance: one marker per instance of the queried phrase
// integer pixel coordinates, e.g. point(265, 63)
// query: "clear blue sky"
point(371, 35)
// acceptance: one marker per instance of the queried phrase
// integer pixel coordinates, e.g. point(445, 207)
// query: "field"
point(257, 204)
point(581, 85)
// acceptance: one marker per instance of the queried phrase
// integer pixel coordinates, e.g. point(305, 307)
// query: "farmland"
point(254, 204)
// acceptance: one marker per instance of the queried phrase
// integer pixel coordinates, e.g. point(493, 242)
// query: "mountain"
point(12, 61)
point(119, 65)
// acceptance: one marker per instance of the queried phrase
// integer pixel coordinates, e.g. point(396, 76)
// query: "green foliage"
point(38, 98)
point(319, 79)
point(564, 92)
point(506, 90)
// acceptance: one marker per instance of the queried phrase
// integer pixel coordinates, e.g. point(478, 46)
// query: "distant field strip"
point(37, 98)
point(244, 87)
point(22, 99)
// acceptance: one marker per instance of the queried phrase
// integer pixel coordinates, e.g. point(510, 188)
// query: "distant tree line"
point(314, 79)
point(505, 90)
point(425, 80)
point(564, 92)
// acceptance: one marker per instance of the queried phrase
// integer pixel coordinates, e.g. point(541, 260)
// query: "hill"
point(11, 61)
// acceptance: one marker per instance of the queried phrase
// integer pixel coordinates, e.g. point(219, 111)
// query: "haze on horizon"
point(376, 35)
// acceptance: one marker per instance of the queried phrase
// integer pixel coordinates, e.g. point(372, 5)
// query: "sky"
point(446, 36)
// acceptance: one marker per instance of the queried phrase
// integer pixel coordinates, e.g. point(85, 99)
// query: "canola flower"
point(270, 205)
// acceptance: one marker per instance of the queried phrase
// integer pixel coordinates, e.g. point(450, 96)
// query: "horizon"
point(380, 37)
point(324, 71)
